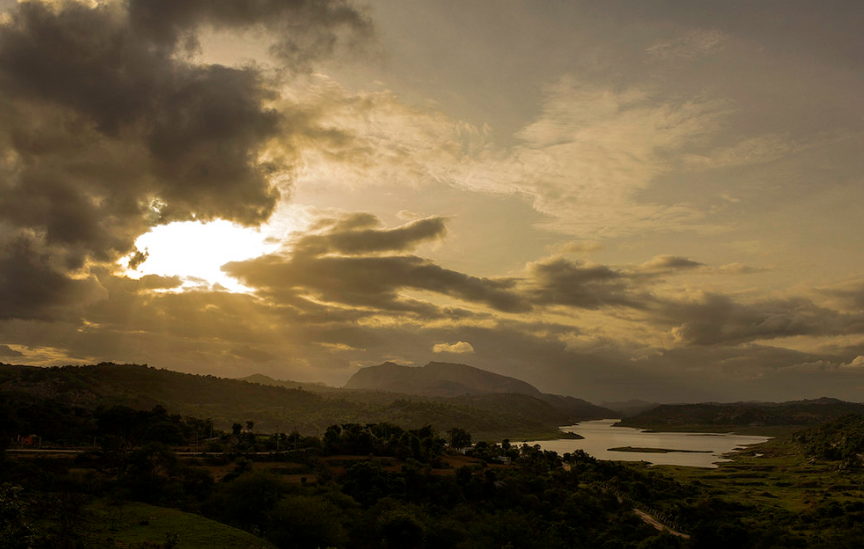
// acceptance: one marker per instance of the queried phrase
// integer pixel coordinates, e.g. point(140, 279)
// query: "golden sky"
point(612, 200)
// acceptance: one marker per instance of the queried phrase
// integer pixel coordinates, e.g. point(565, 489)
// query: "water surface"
point(600, 436)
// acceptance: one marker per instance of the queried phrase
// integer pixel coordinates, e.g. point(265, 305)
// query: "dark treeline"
point(54, 422)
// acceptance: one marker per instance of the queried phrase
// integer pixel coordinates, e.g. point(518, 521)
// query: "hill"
point(461, 382)
point(229, 401)
point(630, 407)
point(839, 439)
point(288, 384)
point(752, 414)
point(437, 379)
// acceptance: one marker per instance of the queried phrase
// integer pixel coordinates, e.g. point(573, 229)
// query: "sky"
point(611, 200)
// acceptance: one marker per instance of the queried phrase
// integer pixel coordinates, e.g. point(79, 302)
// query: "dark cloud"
point(151, 282)
point(349, 264)
point(253, 354)
point(303, 30)
point(360, 277)
point(559, 281)
point(850, 296)
point(347, 222)
point(292, 333)
point(719, 320)
point(712, 319)
point(138, 257)
point(33, 287)
point(355, 236)
point(572, 283)
point(670, 263)
point(372, 281)
point(107, 127)
point(7, 351)
point(736, 269)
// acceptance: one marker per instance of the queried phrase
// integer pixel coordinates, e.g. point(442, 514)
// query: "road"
point(658, 525)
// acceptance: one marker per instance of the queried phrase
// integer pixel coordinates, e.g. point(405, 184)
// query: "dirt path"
point(656, 524)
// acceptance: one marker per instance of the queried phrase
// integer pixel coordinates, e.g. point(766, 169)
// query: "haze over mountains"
point(482, 408)
point(439, 394)
point(437, 379)
point(460, 382)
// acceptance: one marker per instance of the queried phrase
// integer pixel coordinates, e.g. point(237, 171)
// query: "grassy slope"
point(132, 524)
point(776, 476)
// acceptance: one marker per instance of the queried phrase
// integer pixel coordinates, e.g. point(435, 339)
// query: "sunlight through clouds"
point(588, 193)
point(460, 347)
point(196, 252)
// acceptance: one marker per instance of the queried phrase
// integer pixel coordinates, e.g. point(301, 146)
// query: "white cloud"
point(592, 149)
point(577, 247)
point(755, 150)
point(688, 45)
point(461, 347)
point(585, 160)
point(857, 362)
point(372, 138)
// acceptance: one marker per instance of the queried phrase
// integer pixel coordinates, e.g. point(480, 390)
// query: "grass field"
point(777, 479)
point(137, 525)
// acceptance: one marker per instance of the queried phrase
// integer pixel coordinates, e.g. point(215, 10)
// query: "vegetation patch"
point(136, 524)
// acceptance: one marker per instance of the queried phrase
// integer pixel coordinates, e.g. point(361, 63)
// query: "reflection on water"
point(600, 436)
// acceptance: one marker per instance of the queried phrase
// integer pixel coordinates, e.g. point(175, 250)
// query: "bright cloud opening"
point(461, 347)
point(196, 252)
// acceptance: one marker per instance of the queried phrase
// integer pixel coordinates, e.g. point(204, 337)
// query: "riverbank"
point(602, 440)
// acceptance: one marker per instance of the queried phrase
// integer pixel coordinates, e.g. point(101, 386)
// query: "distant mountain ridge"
point(261, 379)
point(274, 405)
point(443, 379)
point(630, 407)
point(437, 379)
point(798, 412)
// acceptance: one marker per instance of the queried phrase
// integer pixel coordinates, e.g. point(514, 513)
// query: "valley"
point(87, 462)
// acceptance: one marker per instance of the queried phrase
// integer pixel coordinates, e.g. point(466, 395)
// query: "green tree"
point(247, 501)
point(306, 522)
point(15, 529)
point(459, 438)
point(401, 529)
point(149, 469)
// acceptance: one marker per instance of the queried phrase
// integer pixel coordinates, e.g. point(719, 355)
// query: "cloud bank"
point(108, 125)
point(692, 190)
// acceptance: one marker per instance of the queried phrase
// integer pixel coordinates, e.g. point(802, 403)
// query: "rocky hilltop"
point(460, 381)
point(437, 379)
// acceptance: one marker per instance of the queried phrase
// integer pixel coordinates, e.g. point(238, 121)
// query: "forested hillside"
point(839, 440)
point(470, 384)
point(436, 379)
point(226, 401)
point(798, 413)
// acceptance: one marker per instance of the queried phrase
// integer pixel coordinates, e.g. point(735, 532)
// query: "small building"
point(29, 441)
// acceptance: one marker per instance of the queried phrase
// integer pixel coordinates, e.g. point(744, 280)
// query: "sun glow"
point(196, 251)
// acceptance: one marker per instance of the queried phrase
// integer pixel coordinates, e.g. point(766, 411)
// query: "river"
point(694, 449)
